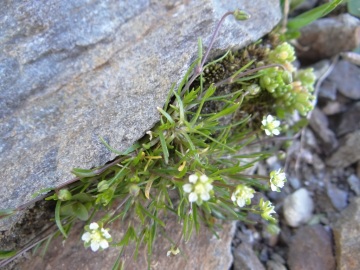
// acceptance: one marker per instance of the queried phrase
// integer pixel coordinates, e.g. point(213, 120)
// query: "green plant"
point(193, 163)
point(354, 7)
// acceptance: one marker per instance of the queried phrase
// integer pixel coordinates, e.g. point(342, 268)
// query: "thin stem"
point(231, 79)
point(199, 68)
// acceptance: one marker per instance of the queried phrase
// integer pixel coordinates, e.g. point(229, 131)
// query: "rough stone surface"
point(329, 36)
point(354, 183)
point(298, 207)
point(349, 120)
point(319, 123)
point(72, 71)
point(203, 252)
point(337, 196)
point(347, 237)
point(347, 153)
point(346, 76)
point(310, 249)
point(246, 259)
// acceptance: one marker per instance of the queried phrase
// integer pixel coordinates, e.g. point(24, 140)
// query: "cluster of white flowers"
point(270, 125)
point(277, 180)
point(242, 195)
point(199, 188)
point(96, 237)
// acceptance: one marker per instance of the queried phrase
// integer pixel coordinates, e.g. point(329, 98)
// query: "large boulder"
point(72, 71)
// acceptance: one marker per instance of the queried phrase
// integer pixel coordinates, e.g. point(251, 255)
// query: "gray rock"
point(306, 5)
point(246, 259)
point(298, 207)
point(203, 251)
point(337, 196)
point(346, 232)
point(347, 153)
point(319, 123)
point(273, 265)
point(311, 249)
point(346, 77)
point(276, 263)
point(328, 90)
point(72, 71)
point(333, 107)
point(354, 183)
point(327, 37)
point(349, 120)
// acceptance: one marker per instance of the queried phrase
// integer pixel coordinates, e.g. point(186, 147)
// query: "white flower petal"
point(193, 197)
point(208, 187)
point(86, 237)
point(240, 202)
point(105, 233)
point(94, 246)
point(267, 132)
point(204, 178)
point(193, 178)
point(205, 196)
point(187, 188)
point(276, 132)
point(273, 187)
point(269, 118)
point(104, 244)
point(94, 226)
point(233, 197)
point(276, 124)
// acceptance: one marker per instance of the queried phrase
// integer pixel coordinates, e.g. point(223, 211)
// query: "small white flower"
point(86, 237)
point(270, 125)
point(193, 178)
point(94, 226)
point(277, 180)
point(199, 188)
point(95, 237)
point(173, 251)
point(105, 233)
point(242, 195)
point(266, 209)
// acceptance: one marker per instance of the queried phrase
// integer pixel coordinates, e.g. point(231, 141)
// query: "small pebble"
point(298, 207)
point(354, 183)
point(337, 196)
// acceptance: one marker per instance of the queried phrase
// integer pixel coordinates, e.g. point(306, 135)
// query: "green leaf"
point(312, 15)
point(354, 7)
point(7, 254)
point(84, 172)
point(41, 191)
point(167, 116)
point(181, 107)
point(80, 211)
point(124, 153)
point(129, 235)
point(150, 215)
point(224, 112)
point(58, 219)
point(164, 147)
point(6, 212)
point(82, 197)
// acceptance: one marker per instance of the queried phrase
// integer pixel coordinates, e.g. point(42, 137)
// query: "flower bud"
point(102, 186)
point(241, 15)
point(134, 190)
point(64, 195)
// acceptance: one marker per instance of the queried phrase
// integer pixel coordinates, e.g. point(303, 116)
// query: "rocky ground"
point(319, 208)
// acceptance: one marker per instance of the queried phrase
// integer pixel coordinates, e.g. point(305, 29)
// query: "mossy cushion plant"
point(195, 152)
